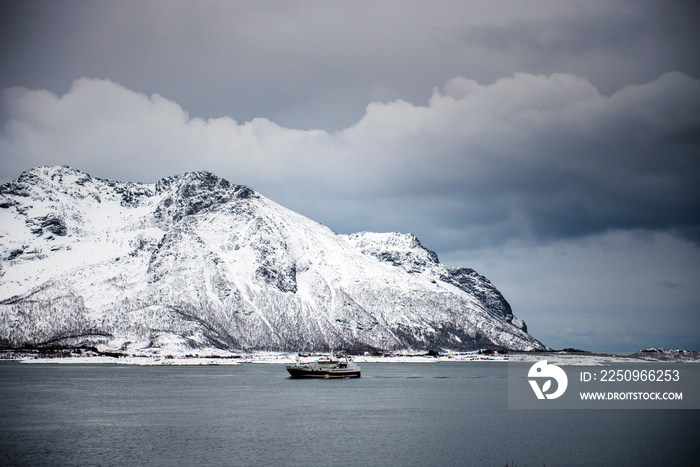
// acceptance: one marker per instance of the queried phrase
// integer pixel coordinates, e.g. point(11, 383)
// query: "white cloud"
point(525, 158)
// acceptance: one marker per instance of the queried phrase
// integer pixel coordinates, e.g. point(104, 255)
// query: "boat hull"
point(297, 372)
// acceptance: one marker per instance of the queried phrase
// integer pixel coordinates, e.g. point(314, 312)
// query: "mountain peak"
point(48, 178)
point(396, 248)
point(192, 192)
point(193, 180)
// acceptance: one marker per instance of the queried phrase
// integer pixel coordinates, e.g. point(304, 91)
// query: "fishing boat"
point(325, 366)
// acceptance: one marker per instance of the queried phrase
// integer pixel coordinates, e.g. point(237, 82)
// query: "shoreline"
point(283, 358)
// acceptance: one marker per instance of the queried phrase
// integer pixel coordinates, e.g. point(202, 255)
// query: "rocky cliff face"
point(195, 262)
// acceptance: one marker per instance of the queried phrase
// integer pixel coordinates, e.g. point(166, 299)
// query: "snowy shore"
point(256, 358)
point(223, 358)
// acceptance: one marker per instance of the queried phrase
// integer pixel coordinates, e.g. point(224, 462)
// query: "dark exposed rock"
point(194, 192)
point(473, 283)
point(53, 224)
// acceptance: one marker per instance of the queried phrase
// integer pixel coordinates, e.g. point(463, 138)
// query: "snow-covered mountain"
point(195, 262)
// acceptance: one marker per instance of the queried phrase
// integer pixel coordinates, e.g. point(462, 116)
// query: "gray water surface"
point(255, 415)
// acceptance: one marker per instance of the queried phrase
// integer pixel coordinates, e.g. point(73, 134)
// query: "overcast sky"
point(554, 146)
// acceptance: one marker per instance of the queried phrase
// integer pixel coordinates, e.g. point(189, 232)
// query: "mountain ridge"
point(195, 262)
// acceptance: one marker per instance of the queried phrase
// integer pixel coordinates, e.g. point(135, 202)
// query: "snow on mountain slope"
point(195, 262)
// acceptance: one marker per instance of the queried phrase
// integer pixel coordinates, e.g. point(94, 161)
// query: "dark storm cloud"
point(550, 157)
point(302, 64)
point(316, 64)
point(612, 43)
point(581, 33)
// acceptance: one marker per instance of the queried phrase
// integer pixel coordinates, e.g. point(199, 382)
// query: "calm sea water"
point(254, 415)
